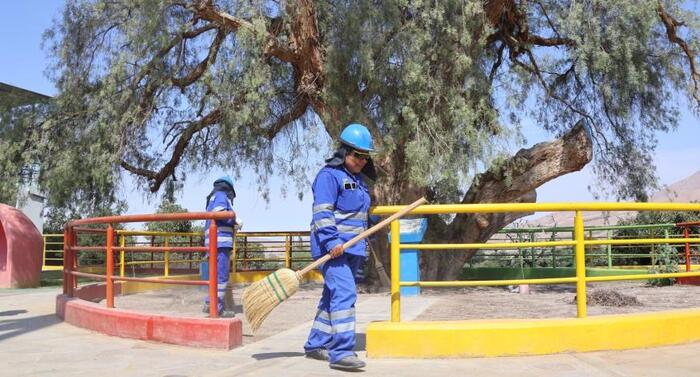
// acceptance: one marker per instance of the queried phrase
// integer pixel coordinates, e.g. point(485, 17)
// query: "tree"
point(653, 217)
point(161, 87)
point(168, 204)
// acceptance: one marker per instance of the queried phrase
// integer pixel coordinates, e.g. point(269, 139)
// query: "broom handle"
point(364, 235)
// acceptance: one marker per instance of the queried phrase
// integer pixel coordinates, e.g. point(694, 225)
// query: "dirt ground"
point(543, 301)
point(553, 301)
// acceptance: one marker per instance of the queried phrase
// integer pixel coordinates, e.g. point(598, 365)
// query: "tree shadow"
point(13, 327)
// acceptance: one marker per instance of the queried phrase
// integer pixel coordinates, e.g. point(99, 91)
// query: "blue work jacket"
point(224, 231)
point(341, 202)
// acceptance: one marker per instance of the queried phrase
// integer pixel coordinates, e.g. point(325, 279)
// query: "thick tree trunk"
point(527, 170)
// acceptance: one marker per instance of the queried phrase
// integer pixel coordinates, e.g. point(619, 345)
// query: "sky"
point(23, 63)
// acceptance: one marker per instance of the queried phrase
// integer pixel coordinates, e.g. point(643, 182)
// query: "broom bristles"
point(261, 297)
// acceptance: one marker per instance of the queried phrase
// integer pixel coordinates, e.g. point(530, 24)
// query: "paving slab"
point(34, 342)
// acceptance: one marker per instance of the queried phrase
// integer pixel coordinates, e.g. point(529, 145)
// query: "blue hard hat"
point(358, 137)
point(225, 179)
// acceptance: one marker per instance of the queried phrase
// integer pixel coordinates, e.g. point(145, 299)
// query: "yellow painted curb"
point(508, 337)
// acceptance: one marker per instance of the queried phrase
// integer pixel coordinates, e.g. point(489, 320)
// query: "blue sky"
point(23, 62)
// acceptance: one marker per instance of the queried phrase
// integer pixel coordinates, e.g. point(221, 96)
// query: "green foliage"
point(666, 262)
point(255, 250)
point(658, 217)
point(166, 206)
point(17, 135)
point(418, 82)
point(444, 87)
point(651, 217)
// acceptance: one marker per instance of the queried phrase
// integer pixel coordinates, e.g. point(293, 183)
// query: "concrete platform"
point(35, 342)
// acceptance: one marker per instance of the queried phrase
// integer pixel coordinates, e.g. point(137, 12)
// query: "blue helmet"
point(226, 179)
point(358, 137)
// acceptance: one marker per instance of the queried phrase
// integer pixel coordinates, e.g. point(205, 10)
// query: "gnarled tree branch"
point(206, 10)
point(526, 170)
point(197, 72)
point(156, 178)
point(671, 24)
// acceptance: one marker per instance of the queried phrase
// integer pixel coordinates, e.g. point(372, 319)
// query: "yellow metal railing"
point(272, 250)
point(166, 237)
point(50, 254)
point(579, 242)
point(251, 249)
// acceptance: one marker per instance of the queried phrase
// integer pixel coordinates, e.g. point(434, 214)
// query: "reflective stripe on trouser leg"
point(320, 334)
point(223, 268)
point(334, 326)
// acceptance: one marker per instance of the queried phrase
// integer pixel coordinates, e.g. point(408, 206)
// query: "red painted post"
point(687, 250)
point(67, 264)
point(213, 302)
point(110, 267)
point(74, 257)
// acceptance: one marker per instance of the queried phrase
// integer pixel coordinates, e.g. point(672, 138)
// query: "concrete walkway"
point(34, 342)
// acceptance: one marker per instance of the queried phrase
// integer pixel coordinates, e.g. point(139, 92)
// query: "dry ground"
point(454, 304)
point(553, 301)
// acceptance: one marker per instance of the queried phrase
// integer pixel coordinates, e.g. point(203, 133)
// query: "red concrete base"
point(226, 333)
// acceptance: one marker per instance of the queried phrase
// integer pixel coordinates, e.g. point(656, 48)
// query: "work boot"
point(318, 354)
point(348, 363)
point(227, 314)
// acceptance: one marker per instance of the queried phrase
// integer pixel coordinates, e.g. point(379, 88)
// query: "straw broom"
point(264, 295)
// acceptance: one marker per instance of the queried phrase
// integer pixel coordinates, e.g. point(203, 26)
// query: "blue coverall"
point(341, 202)
point(224, 241)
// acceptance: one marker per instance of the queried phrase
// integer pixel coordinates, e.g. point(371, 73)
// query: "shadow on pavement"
point(360, 341)
point(276, 355)
point(13, 327)
point(8, 313)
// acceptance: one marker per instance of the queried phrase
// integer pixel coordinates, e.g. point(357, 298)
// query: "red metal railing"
point(71, 248)
point(686, 234)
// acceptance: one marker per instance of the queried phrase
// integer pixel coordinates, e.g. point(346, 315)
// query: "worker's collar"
point(338, 159)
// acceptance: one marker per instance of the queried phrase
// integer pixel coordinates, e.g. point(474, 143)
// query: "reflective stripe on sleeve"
point(352, 229)
point(323, 208)
point(340, 216)
point(321, 223)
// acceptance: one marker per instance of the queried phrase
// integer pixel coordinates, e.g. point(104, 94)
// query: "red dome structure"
point(20, 250)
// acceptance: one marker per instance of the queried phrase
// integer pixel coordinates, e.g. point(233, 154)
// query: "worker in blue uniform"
point(341, 202)
point(221, 199)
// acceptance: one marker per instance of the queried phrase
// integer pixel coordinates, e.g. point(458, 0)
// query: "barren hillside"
point(683, 191)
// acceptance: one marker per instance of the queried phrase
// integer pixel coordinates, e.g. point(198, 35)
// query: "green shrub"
point(666, 262)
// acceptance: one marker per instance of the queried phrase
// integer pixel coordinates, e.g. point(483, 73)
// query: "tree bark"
point(514, 181)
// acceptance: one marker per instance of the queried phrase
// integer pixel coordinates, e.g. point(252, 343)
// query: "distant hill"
point(683, 191)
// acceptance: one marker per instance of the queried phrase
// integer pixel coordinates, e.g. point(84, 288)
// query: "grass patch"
point(51, 278)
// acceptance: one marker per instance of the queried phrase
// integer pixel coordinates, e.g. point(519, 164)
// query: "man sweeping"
point(341, 202)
